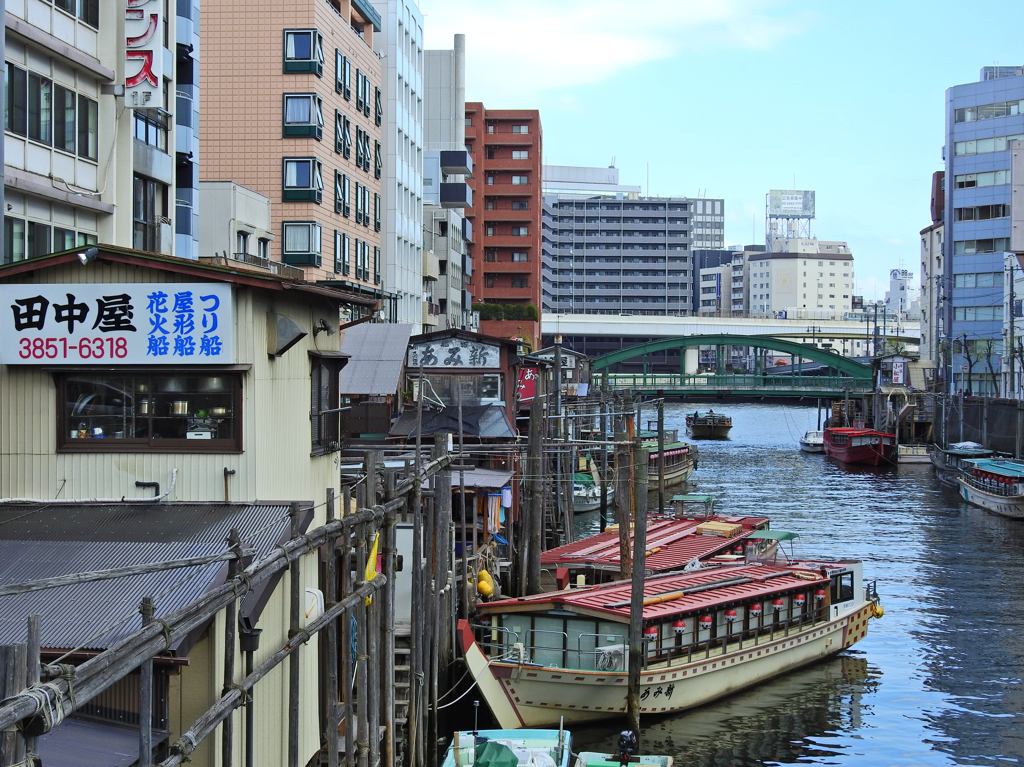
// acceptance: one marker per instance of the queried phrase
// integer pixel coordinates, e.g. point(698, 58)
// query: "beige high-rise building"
point(292, 109)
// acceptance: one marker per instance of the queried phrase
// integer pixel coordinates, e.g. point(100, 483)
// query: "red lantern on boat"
point(706, 621)
point(650, 633)
point(730, 615)
point(799, 600)
point(679, 626)
point(737, 549)
point(819, 595)
point(778, 603)
point(756, 609)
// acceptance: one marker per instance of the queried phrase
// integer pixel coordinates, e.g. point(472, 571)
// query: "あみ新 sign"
point(117, 324)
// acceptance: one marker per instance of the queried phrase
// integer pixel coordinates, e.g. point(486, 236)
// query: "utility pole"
point(1011, 390)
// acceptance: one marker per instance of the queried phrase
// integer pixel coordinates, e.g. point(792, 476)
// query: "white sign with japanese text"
point(144, 53)
point(156, 323)
point(454, 353)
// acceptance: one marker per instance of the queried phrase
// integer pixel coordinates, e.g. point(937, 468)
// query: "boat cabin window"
point(842, 587)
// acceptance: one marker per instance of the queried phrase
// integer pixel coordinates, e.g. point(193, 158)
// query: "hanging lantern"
point(730, 615)
point(756, 609)
point(650, 633)
point(778, 603)
point(737, 549)
point(679, 626)
point(706, 621)
point(799, 600)
point(819, 595)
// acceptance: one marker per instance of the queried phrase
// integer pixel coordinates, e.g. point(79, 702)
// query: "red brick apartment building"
point(506, 215)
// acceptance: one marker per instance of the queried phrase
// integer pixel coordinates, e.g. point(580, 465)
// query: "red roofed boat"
point(672, 544)
point(864, 446)
point(706, 634)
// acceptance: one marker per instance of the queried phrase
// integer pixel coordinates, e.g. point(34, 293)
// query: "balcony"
point(467, 229)
point(506, 214)
point(508, 164)
point(274, 267)
point(456, 195)
point(431, 266)
point(431, 313)
point(506, 190)
point(456, 162)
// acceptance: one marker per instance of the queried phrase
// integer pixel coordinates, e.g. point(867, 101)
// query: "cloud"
point(528, 47)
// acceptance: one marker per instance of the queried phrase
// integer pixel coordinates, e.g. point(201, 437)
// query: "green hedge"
point(507, 312)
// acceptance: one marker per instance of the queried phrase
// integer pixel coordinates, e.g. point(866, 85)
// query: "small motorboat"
point(813, 442)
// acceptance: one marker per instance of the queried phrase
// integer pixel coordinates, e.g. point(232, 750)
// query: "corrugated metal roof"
point(376, 356)
point(45, 540)
point(82, 743)
point(487, 421)
point(677, 541)
point(613, 598)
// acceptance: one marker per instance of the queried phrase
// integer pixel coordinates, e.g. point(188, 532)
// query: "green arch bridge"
point(812, 372)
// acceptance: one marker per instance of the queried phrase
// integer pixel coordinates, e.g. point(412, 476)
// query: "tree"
point(966, 349)
point(988, 348)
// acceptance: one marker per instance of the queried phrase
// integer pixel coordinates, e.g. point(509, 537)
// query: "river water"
point(937, 681)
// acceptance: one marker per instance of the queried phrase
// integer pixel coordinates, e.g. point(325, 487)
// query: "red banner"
point(526, 386)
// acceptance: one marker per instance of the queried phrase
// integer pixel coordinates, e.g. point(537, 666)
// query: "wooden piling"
point(389, 553)
point(33, 662)
point(604, 460)
point(661, 455)
point(636, 603)
point(230, 619)
point(534, 481)
point(13, 672)
point(362, 657)
point(623, 499)
point(147, 609)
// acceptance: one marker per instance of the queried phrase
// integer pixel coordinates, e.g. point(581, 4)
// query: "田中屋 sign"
point(117, 324)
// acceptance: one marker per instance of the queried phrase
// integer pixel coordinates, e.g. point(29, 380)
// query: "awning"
point(773, 535)
point(481, 479)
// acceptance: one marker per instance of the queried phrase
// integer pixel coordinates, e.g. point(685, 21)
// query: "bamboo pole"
point(331, 693)
point(347, 637)
point(214, 715)
point(295, 582)
point(388, 634)
point(230, 617)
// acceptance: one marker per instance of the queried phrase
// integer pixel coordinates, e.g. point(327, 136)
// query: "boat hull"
point(1004, 505)
point(812, 447)
point(709, 431)
point(866, 448)
point(523, 695)
point(582, 503)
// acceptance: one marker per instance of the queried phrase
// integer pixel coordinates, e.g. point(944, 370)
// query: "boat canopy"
point(692, 498)
point(1001, 466)
point(773, 535)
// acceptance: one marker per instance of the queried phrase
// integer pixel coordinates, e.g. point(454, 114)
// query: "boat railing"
point(502, 640)
point(870, 591)
point(991, 486)
point(544, 653)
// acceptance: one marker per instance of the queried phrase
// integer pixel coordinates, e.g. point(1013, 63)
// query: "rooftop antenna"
point(648, 178)
point(613, 162)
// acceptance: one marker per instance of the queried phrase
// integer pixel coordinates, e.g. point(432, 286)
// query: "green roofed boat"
point(708, 425)
point(995, 484)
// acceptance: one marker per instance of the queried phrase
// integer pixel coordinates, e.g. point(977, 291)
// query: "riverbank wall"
point(998, 424)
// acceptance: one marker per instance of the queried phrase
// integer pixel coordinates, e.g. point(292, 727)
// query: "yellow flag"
point(371, 564)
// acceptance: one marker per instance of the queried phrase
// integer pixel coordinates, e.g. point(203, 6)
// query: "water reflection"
point(786, 720)
point(937, 681)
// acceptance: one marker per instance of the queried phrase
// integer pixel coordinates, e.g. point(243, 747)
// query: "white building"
point(1013, 330)
point(715, 288)
point(400, 44)
point(809, 274)
point(99, 142)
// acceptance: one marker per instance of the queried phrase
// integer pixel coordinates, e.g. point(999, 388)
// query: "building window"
point(241, 243)
point(303, 180)
point(519, 282)
point(977, 313)
point(143, 411)
point(520, 180)
point(978, 280)
point(263, 248)
point(325, 425)
point(520, 231)
point(303, 115)
point(991, 178)
point(988, 111)
point(490, 180)
point(346, 257)
point(149, 211)
point(342, 135)
point(359, 203)
point(490, 205)
point(489, 230)
point(151, 127)
point(520, 205)
point(30, 239)
point(376, 266)
point(490, 255)
point(378, 107)
point(301, 243)
point(303, 51)
point(986, 145)
point(991, 245)
point(488, 282)
point(520, 128)
point(520, 154)
point(378, 160)
point(86, 10)
point(359, 147)
point(360, 104)
point(490, 128)
point(981, 212)
point(341, 190)
point(519, 256)
point(376, 212)
point(337, 251)
point(64, 132)
point(88, 126)
point(342, 74)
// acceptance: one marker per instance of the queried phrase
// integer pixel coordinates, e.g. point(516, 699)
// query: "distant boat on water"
point(863, 446)
point(995, 484)
point(813, 442)
point(708, 425)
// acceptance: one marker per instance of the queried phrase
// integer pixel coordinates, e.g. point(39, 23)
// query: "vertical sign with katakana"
point(143, 57)
point(152, 323)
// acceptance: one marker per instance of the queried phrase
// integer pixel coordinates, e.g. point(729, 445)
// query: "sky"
point(732, 98)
